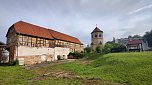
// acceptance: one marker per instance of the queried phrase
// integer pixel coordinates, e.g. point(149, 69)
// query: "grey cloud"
point(78, 17)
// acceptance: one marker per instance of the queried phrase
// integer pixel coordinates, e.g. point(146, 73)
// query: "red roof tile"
point(61, 36)
point(33, 30)
point(130, 42)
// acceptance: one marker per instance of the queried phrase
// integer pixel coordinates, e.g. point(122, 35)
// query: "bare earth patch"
point(47, 70)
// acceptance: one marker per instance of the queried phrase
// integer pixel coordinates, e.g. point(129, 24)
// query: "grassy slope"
point(130, 68)
point(14, 75)
point(17, 75)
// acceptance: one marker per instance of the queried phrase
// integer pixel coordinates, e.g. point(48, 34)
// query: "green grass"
point(17, 75)
point(131, 68)
point(14, 75)
point(125, 68)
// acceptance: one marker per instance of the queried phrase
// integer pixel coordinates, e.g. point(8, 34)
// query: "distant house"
point(123, 41)
point(32, 44)
point(136, 45)
point(4, 54)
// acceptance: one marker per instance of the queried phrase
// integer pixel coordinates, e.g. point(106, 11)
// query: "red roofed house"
point(136, 45)
point(32, 44)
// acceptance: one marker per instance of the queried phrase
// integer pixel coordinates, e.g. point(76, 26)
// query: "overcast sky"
point(116, 18)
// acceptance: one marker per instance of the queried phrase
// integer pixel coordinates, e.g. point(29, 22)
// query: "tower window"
point(92, 36)
point(95, 35)
point(99, 35)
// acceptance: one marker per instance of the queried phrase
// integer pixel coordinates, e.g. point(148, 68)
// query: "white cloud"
point(140, 9)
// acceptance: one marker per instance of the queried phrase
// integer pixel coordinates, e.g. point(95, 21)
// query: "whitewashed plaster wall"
point(31, 51)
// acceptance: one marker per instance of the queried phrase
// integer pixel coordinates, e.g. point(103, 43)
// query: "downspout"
point(17, 46)
point(142, 47)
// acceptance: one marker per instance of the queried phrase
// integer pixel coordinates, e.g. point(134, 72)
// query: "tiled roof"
point(96, 30)
point(1, 43)
point(131, 42)
point(61, 36)
point(33, 30)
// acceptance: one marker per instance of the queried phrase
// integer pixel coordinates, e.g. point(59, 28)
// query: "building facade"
point(136, 45)
point(133, 44)
point(96, 38)
point(32, 44)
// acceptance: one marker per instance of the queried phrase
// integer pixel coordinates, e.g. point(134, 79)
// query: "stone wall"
point(29, 60)
point(33, 55)
point(63, 52)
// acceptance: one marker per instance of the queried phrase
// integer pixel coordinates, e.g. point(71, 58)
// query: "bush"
point(88, 49)
point(111, 47)
point(99, 49)
point(14, 62)
point(76, 55)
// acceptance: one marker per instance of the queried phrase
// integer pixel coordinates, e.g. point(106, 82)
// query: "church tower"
point(96, 38)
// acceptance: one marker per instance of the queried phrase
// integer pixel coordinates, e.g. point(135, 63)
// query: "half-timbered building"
point(32, 44)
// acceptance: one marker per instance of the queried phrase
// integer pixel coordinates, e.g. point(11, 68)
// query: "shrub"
point(99, 49)
point(88, 49)
point(14, 62)
point(76, 55)
point(111, 47)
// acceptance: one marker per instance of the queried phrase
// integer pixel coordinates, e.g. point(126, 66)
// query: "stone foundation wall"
point(33, 55)
point(29, 60)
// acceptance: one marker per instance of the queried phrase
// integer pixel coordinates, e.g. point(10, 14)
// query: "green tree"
point(134, 36)
point(88, 49)
point(118, 48)
point(148, 37)
point(99, 49)
point(107, 47)
point(113, 47)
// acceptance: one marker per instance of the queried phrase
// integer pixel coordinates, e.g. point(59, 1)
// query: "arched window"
point(95, 35)
point(99, 35)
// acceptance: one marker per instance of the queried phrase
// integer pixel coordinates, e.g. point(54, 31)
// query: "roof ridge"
point(45, 28)
point(34, 30)
point(31, 24)
point(2, 42)
point(96, 29)
point(63, 33)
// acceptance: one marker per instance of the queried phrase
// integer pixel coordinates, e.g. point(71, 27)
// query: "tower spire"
point(96, 25)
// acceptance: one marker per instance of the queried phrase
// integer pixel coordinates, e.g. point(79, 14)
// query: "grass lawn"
point(18, 75)
point(130, 68)
point(14, 75)
point(97, 69)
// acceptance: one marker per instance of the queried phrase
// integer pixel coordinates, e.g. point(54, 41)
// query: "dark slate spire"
point(96, 30)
